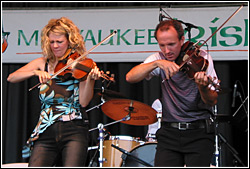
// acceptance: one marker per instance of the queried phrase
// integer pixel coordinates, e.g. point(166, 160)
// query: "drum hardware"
point(159, 115)
point(92, 148)
point(97, 106)
point(218, 136)
point(100, 127)
point(124, 111)
point(107, 94)
point(126, 153)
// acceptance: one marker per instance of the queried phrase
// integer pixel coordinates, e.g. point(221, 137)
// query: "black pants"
point(192, 147)
point(69, 140)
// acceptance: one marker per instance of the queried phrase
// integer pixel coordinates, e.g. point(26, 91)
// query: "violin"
point(79, 70)
point(191, 62)
point(79, 64)
point(4, 45)
point(5, 42)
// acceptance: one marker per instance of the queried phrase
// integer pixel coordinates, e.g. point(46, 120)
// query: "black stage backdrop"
point(21, 108)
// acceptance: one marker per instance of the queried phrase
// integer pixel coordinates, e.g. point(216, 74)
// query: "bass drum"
point(111, 155)
point(145, 152)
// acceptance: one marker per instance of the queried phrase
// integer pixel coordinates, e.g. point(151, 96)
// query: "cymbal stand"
point(159, 115)
point(97, 106)
point(217, 152)
point(100, 127)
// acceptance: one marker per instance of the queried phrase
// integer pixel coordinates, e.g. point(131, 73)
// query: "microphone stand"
point(233, 151)
point(242, 104)
point(218, 137)
point(188, 28)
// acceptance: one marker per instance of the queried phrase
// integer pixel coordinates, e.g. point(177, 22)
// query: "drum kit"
point(127, 151)
point(122, 150)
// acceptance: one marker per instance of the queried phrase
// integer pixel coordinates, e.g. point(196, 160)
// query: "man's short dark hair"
point(165, 25)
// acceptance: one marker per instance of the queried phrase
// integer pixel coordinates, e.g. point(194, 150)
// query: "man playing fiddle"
point(186, 136)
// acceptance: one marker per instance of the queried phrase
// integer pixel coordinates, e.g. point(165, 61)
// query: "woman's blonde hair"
point(62, 26)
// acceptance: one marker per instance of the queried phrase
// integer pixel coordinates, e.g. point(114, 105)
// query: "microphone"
point(160, 16)
point(234, 94)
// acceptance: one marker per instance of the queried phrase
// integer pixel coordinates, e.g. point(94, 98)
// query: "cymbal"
point(140, 114)
point(109, 93)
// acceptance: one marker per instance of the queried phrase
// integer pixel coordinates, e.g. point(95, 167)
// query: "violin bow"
point(78, 59)
point(198, 47)
point(222, 25)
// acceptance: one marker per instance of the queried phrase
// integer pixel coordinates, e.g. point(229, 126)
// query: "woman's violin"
point(80, 66)
point(78, 70)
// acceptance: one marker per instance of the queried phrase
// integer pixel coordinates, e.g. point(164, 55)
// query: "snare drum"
point(112, 156)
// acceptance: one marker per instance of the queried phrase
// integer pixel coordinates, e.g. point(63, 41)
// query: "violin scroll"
point(214, 84)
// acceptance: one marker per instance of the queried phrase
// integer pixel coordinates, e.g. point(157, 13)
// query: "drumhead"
point(145, 152)
point(124, 137)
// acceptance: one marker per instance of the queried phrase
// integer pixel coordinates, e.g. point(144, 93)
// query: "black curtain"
point(21, 108)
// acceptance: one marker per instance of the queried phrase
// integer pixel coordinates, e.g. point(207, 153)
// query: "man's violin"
point(190, 60)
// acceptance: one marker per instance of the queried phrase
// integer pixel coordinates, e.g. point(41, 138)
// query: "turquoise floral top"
point(58, 97)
